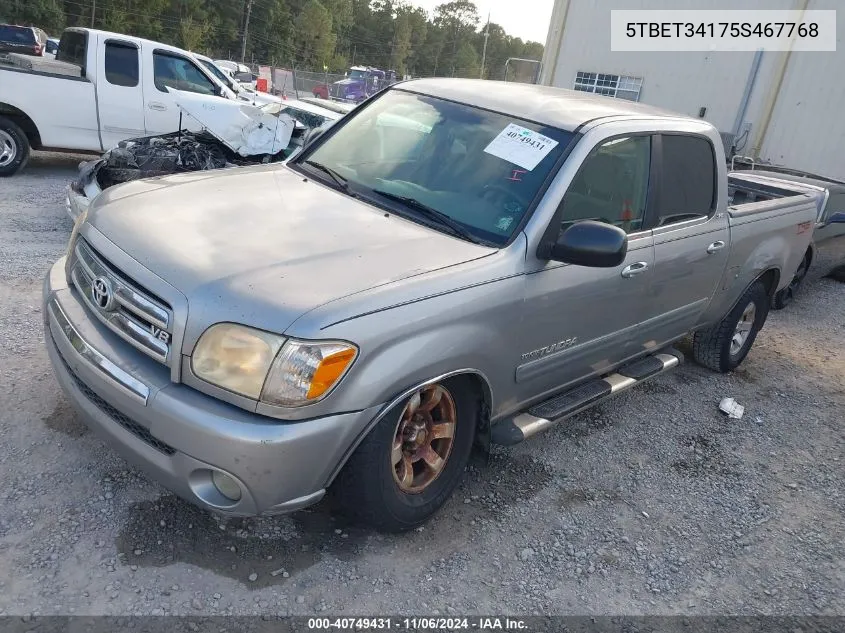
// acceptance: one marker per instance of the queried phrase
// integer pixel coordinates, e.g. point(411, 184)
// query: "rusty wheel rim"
point(424, 438)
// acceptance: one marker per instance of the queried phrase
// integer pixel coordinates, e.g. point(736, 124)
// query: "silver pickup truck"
point(456, 263)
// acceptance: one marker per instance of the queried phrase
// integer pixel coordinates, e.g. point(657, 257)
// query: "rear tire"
point(838, 274)
point(786, 296)
point(14, 147)
point(374, 486)
point(725, 345)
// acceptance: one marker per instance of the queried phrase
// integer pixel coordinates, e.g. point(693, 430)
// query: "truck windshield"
point(414, 154)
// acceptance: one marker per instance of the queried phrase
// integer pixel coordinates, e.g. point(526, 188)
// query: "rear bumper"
point(180, 436)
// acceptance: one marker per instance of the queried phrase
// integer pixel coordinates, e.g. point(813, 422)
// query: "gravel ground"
point(650, 504)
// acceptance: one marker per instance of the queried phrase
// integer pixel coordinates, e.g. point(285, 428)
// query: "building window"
point(618, 86)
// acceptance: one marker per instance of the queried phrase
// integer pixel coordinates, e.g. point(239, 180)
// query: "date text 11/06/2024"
point(418, 624)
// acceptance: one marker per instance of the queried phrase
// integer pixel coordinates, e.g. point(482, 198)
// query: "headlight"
point(305, 371)
point(235, 357)
point(267, 367)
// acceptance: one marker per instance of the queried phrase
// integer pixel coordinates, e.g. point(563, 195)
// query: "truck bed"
point(767, 224)
point(743, 191)
point(40, 65)
point(39, 91)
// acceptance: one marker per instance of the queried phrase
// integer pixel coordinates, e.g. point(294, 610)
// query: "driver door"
point(581, 321)
point(171, 70)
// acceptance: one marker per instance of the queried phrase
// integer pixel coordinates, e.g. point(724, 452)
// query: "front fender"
point(464, 330)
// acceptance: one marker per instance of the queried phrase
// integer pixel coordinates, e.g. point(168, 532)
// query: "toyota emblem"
point(101, 292)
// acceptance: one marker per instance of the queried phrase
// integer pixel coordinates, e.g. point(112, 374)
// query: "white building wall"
point(807, 129)
point(804, 122)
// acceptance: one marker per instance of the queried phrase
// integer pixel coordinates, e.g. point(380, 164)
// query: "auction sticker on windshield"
point(521, 146)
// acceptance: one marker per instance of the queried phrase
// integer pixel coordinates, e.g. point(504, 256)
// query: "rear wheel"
point(838, 274)
point(14, 147)
point(414, 458)
point(786, 296)
point(725, 345)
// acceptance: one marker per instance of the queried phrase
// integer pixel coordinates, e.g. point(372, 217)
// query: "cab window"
point(612, 185)
point(172, 71)
point(121, 62)
point(688, 183)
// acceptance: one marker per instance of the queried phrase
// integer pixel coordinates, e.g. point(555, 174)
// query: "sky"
point(528, 19)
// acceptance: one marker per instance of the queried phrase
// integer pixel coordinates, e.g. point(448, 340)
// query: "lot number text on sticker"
point(521, 146)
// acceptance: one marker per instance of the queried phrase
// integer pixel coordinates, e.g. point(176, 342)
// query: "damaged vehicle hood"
point(262, 246)
point(243, 128)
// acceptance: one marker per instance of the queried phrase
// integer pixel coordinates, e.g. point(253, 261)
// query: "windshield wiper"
point(339, 180)
point(430, 213)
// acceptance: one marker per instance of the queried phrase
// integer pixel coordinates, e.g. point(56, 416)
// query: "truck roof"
point(557, 107)
point(128, 38)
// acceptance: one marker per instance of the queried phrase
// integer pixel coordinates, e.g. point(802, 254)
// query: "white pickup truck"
point(111, 87)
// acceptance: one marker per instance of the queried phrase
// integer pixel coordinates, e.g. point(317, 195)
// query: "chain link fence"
point(313, 84)
point(294, 83)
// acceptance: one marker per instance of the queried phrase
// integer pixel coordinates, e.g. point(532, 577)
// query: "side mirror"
point(837, 218)
point(591, 243)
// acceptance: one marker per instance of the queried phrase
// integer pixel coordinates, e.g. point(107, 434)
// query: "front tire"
point(725, 345)
point(14, 147)
point(413, 459)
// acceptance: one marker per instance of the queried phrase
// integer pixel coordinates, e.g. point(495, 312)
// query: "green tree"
point(192, 35)
point(313, 35)
point(310, 33)
point(458, 19)
point(47, 14)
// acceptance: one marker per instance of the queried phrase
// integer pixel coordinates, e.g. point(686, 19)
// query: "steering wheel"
point(498, 193)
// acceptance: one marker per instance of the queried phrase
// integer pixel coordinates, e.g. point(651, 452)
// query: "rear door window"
point(688, 182)
point(121, 64)
point(72, 48)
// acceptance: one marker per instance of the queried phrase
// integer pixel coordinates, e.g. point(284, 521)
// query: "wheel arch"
point(482, 383)
point(770, 278)
point(24, 121)
point(810, 254)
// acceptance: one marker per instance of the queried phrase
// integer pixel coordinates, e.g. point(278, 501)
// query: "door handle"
point(634, 269)
point(715, 246)
point(155, 105)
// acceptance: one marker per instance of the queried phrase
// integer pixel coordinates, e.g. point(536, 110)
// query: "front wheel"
point(725, 345)
point(411, 462)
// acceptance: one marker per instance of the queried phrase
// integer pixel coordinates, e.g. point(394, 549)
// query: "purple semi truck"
point(360, 83)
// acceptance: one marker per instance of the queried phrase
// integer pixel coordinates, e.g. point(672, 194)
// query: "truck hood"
point(245, 129)
point(349, 82)
point(263, 246)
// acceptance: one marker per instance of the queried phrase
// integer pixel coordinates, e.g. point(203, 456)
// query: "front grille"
point(127, 423)
point(130, 311)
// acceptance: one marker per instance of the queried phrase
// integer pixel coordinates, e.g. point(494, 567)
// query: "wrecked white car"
point(233, 134)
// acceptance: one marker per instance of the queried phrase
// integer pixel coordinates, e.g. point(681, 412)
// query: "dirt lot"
point(651, 504)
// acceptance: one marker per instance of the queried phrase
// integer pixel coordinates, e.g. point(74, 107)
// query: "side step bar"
point(559, 407)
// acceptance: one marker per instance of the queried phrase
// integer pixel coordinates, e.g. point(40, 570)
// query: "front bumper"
point(76, 202)
point(178, 435)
